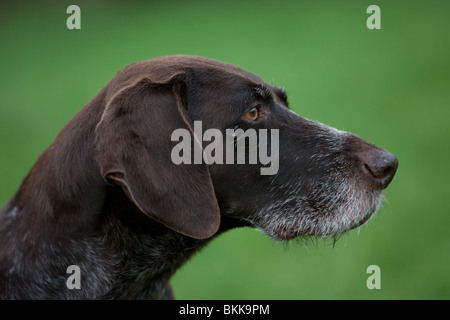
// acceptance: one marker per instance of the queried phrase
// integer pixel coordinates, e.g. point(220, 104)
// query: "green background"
point(389, 86)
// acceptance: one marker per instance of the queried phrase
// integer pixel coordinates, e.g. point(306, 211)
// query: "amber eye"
point(252, 114)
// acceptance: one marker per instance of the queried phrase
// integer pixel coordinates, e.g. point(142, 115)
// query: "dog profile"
point(107, 197)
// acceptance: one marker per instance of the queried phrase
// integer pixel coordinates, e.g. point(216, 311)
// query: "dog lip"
point(286, 233)
point(363, 220)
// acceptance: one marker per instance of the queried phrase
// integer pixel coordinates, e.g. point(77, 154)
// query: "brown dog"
point(107, 197)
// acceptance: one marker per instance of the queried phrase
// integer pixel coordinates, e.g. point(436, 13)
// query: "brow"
point(282, 95)
point(262, 92)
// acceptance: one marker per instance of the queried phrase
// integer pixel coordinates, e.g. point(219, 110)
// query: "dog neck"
point(65, 214)
point(120, 252)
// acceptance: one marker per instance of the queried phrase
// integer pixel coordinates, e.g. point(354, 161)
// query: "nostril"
point(367, 167)
point(382, 167)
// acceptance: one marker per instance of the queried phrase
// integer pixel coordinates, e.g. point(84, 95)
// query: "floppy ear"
point(134, 151)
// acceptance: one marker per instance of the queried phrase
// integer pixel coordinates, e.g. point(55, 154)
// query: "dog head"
point(239, 150)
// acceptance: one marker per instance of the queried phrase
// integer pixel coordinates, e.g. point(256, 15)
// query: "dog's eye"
point(252, 114)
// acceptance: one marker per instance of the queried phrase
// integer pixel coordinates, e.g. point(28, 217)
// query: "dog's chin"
point(324, 224)
point(287, 233)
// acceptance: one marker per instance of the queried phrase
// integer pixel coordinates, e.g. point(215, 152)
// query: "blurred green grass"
point(389, 86)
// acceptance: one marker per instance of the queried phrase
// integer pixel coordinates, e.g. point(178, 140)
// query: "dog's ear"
point(133, 141)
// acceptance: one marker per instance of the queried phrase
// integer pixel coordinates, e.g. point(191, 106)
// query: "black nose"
point(380, 166)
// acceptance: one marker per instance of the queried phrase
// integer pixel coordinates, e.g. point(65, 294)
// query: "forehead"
point(210, 65)
point(231, 90)
point(227, 82)
point(228, 76)
point(218, 81)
